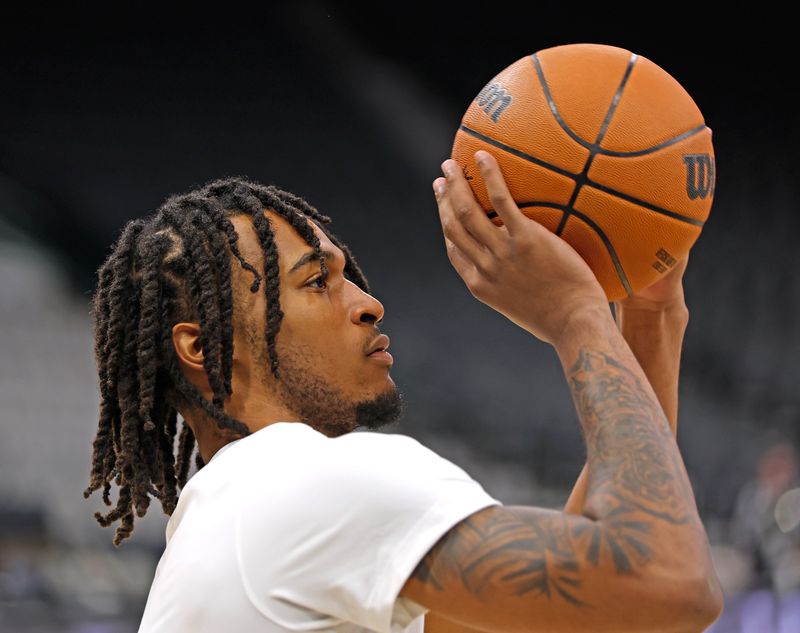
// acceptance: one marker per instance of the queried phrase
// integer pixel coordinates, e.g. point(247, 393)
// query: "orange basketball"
point(605, 149)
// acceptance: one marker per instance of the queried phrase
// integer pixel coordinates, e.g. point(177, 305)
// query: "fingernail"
point(480, 156)
point(446, 167)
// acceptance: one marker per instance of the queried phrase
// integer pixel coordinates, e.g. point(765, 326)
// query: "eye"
point(318, 278)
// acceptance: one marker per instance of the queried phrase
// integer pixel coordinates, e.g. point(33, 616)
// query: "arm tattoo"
point(635, 480)
point(631, 463)
point(501, 548)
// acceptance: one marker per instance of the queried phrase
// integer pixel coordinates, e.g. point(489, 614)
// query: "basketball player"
point(235, 306)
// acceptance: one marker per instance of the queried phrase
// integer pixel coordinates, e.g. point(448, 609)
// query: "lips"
point(379, 344)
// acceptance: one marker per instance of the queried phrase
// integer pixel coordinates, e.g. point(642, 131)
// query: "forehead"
point(291, 245)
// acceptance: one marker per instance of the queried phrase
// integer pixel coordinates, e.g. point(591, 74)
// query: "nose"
point(367, 309)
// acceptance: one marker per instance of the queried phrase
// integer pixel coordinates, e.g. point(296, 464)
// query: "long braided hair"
point(171, 267)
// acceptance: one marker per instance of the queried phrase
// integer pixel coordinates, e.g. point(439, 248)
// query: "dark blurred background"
point(354, 107)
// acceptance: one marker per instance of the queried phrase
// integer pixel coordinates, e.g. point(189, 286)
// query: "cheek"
point(322, 351)
point(315, 330)
point(249, 317)
point(309, 318)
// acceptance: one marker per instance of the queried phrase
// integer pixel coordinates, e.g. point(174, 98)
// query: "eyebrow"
point(311, 256)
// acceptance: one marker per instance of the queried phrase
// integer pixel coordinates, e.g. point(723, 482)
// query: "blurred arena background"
point(354, 107)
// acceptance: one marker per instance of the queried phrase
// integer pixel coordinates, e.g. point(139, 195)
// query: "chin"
point(384, 408)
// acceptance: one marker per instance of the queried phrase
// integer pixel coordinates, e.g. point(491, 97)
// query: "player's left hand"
point(665, 293)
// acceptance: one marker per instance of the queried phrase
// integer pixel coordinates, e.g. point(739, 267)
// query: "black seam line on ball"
point(532, 203)
point(568, 174)
point(654, 148)
point(538, 203)
point(581, 180)
point(516, 152)
point(615, 100)
point(617, 264)
point(643, 204)
point(594, 146)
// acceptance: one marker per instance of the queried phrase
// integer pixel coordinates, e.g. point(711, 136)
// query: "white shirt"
point(290, 530)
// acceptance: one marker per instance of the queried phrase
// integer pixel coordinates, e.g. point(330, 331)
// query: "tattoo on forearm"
point(635, 480)
point(628, 460)
point(501, 549)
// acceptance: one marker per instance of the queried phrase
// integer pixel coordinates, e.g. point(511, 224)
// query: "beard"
point(321, 404)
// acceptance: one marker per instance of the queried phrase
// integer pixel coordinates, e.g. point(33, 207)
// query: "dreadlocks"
point(170, 267)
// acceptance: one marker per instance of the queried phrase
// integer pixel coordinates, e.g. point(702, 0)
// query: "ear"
point(186, 339)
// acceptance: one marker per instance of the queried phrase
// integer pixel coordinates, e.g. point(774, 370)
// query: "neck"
point(209, 437)
point(256, 413)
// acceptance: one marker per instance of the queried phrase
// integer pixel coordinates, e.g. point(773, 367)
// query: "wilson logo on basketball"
point(699, 175)
point(493, 100)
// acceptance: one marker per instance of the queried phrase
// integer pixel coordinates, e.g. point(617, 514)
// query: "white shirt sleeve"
point(347, 529)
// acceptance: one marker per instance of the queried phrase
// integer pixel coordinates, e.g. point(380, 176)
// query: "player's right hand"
point(521, 269)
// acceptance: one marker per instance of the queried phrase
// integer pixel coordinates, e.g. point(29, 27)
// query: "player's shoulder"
point(390, 453)
point(299, 454)
point(282, 437)
point(383, 447)
point(382, 440)
point(286, 437)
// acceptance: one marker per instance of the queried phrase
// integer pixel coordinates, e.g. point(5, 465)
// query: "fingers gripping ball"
point(602, 147)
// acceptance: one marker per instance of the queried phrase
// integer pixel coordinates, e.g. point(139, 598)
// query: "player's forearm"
point(655, 337)
point(637, 485)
